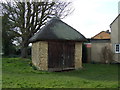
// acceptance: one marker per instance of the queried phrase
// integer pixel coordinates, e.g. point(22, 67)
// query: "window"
point(117, 48)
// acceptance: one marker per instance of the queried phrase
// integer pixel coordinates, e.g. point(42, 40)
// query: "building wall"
point(35, 56)
point(119, 36)
point(40, 55)
point(115, 36)
point(78, 55)
point(96, 51)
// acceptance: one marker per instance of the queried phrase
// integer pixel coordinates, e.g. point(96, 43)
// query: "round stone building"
point(57, 46)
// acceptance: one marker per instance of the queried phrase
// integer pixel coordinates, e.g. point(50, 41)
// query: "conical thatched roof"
point(56, 29)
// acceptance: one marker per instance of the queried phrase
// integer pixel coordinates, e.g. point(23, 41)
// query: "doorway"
point(61, 55)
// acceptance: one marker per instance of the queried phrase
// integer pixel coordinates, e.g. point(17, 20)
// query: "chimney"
point(107, 31)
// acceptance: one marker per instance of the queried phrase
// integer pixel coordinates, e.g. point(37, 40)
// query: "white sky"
point(92, 16)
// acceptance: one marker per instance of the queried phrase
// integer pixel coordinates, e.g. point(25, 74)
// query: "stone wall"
point(35, 56)
point(40, 55)
point(78, 55)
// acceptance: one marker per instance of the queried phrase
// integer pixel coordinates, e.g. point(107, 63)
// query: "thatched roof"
point(56, 29)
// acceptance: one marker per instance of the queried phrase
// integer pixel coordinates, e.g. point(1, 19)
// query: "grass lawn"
point(17, 73)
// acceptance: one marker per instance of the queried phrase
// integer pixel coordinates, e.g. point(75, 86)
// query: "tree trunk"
point(24, 49)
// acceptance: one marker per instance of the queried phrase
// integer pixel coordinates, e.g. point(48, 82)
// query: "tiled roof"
point(102, 35)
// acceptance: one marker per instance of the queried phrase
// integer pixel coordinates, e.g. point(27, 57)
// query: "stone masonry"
point(78, 55)
point(40, 55)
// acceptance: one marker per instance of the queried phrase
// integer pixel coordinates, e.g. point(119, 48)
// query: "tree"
point(107, 54)
point(28, 17)
point(7, 37)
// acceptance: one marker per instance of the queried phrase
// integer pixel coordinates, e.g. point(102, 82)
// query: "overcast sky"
point(92, 16)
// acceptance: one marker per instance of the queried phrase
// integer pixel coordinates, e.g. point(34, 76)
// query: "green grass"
point(17, 73)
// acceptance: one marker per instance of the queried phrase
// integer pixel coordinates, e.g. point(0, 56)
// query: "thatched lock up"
point(57, 46)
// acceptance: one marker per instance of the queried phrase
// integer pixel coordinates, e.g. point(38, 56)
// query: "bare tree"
point(28, 16)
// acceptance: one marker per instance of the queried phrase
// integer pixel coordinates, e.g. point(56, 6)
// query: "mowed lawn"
point(17, 73)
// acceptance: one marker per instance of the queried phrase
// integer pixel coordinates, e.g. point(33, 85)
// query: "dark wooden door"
point(68, 52)
point(54, 55)
point(61, 55)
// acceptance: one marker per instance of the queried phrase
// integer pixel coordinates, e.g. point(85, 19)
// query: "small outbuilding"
point(57, 46)
point(98, 44)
